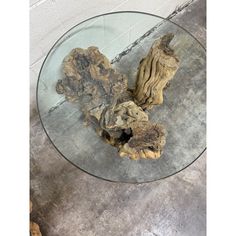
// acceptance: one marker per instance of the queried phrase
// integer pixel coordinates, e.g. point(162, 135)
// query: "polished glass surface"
point(125, 38)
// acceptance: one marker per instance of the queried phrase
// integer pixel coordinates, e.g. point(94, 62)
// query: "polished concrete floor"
point(69, 202)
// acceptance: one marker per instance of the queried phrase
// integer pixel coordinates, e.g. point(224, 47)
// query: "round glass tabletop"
point(125, 38)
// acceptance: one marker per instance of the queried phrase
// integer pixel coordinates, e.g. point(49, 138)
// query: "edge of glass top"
point(56, 45)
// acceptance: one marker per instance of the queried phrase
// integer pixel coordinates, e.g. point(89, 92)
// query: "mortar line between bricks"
point(177, 10)
point(129, 48)
point(38, 3)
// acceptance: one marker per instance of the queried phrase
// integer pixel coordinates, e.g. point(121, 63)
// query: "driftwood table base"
point(117, 113)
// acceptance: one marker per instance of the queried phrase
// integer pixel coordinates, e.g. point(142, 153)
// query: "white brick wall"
point(49, 19)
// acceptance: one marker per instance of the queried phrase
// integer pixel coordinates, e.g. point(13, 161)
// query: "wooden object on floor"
point(154, 72)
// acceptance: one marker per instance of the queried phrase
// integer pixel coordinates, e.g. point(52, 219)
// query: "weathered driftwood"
point(105, 100)
point(117, 119)
point(147, 141)
point(34, 228)
point(89, 77)
point(154, 72)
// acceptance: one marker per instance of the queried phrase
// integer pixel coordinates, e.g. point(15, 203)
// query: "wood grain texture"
point(154, 72)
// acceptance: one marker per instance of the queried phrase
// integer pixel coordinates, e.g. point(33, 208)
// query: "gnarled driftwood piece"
point(34, 228)
point(104, 98)
point(117, 119)
point(89, 77)
point(154, 72)
point(147, 141)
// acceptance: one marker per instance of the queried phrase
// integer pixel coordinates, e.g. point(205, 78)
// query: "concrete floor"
point(69, 202)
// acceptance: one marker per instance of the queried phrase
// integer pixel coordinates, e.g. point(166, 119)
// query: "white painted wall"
point(49, 19)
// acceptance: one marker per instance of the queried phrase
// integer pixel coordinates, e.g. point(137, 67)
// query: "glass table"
point(125, 38)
